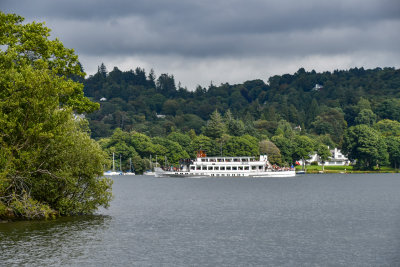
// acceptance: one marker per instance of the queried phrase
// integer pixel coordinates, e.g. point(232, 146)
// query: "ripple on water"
point(312, 220)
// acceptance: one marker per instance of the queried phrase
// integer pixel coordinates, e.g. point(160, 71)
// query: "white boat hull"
point(113, 173)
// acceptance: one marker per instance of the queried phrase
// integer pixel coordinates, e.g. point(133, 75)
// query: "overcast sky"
point(220, 41)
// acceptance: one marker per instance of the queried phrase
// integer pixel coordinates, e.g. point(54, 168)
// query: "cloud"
point(221, 40)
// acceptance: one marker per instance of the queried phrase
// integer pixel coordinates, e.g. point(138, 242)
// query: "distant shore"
point(313, 169)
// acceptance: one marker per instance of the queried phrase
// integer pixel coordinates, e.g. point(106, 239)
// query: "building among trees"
point(337, 158)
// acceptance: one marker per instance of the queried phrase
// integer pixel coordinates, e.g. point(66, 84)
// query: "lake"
point(309, 220)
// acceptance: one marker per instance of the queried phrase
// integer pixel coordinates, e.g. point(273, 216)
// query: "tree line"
point(320, 103)
point(304, 111)
point(368, 146)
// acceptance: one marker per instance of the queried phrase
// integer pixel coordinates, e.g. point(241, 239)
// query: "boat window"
point(212, 160)
point(204, 168)
point(240, 168)
point(253, 167)
point(210, 167)
point(246, 168)
point(228, 168)
point(222, 168)
point(235, 160)
point(228, 160)
point(203, 160)
point(234, 168)
point(220, 160)
point(244, 159)
point(260, 167)
point(216, 168)
point(192, 167)
point(198, 167)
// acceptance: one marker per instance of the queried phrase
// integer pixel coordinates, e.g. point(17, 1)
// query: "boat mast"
point(113, 162)
point(151, 163)
point(120, 169)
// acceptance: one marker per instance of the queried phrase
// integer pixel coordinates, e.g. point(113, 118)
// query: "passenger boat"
point(245, 166)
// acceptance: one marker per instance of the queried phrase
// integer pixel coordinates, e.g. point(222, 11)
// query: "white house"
point(160, 116)
point(317, 87)
point(337, 159)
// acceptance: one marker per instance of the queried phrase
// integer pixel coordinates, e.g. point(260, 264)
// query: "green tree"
point(365, 145)
point(323, 153)
point(142, 144)
point(215, 126)
point(393, 147)
point(205, 143)
point(236, 127)
point(312, 112)
point(388, 127)
point(170, 107)
point(245, 145)
point(366, 116)
point(271, 150)
point(303, 148)
point(174, 151)
point(389, 109)
point(166, 84)
point(182, 139)
point(49, 163)
point(330, 122)
point(286, 147)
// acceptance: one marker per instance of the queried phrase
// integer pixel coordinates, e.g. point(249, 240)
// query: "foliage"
point(254, 107)
point(365, 145)
point(366, 116)
point(215, 126)
point(303, 147)
point(330, 122)
point(388, 127)
point(323, 152)
point(266, 147)
point(393, 147)
point(49, 163)
point(286, 147)
point(245, 145)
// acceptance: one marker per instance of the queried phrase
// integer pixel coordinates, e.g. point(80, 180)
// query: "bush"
point(26, 207)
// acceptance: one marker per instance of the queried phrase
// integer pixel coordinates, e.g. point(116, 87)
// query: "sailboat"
point(113, 172)
point(131, 170)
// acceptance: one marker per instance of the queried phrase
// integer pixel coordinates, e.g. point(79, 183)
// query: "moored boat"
point(245, 166)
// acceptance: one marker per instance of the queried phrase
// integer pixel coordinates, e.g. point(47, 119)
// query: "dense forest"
point(287, 112)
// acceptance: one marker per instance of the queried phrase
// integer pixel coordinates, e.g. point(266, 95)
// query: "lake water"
point(309, 220)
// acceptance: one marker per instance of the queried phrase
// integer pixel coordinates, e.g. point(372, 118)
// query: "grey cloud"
point(221, 30)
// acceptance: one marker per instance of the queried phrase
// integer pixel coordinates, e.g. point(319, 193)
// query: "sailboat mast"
point(113, 162)
point(151, 163)
point(120, 163)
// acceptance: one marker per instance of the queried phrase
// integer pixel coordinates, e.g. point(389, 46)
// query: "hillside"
point(320, 103)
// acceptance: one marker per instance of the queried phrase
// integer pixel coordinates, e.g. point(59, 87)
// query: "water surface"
point(309, 220)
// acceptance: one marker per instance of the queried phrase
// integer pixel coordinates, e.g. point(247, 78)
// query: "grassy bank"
point(345, 169)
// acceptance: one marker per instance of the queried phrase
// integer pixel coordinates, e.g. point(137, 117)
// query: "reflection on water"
point(310, 220)
point(41, 243)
